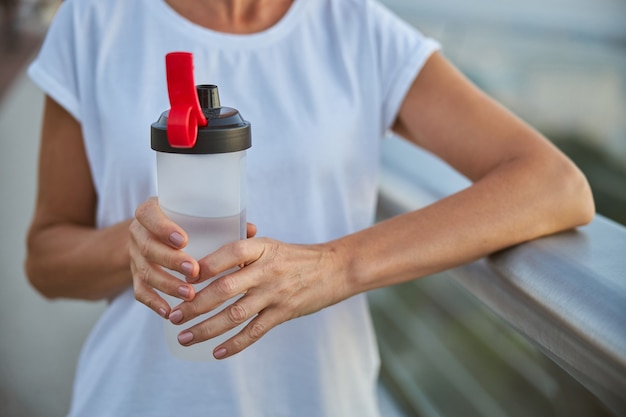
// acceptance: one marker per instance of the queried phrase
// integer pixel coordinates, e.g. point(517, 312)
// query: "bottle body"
point(205, 194)
point(202, 185)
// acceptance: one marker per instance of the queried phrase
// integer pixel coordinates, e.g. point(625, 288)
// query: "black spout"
point(208, 96)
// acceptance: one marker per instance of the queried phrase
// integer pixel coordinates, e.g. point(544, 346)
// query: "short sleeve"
point(54, 70)
point(402, 52)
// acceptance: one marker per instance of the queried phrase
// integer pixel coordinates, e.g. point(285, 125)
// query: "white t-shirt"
point(320, 88)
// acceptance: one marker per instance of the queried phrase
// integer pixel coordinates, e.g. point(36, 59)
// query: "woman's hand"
point(156, 243)
point(279, 281)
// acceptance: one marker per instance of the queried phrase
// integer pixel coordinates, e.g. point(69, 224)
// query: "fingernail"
point(184, 291)
point(177, 239)
point(163, 312)
point(187, 267)
point(220, 353)
point(176, 316)
point(185, 338)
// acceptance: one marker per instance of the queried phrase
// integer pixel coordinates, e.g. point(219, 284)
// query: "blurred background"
point(561, 65)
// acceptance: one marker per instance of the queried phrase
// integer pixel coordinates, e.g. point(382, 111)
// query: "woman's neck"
point(232, 16)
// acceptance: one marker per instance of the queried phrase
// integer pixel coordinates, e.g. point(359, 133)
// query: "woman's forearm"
point(523, 186)
point(519, 201)
point(73, 261)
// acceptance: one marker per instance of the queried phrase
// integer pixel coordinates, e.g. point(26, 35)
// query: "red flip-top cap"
point(185, 113)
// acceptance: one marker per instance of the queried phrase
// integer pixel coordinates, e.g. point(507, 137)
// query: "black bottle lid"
point(226, 131)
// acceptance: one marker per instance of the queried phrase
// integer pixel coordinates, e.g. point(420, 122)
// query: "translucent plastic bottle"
point(201, 177)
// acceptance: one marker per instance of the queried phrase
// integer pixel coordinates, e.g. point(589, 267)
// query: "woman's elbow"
point(35, 278)
point(35, 268)
point(576, 196)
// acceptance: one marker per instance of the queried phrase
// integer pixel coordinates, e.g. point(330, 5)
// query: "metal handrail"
point(566, 293)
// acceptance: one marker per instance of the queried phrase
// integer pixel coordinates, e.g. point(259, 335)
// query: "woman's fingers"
point(155, 243)
point(217, 293)
point(250, 307)
point(232, 255)
point(257, 328)
point(154, 276)
point(248, 281)
point(145, 293)
point(147, 277)
point(145, 245)
point(152, 218)
point(250, 230)
point(278, 283)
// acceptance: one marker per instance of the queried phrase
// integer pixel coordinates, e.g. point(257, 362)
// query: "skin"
point(523, 188)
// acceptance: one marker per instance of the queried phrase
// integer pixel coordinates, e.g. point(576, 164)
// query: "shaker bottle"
point(201, 179)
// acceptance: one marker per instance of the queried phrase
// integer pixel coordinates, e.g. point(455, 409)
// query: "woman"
point(321, 81)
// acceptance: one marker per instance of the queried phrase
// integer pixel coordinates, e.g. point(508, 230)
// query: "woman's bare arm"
point(67, 256)
point(523, 187)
